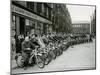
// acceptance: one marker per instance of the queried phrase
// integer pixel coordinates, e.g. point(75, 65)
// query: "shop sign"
point(29, 14)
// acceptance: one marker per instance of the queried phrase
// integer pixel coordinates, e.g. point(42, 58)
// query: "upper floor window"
point(39, 8)
point(30, 5)
point(49, 13)
point(45, 10)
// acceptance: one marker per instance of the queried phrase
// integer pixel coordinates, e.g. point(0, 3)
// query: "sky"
point(80, 13)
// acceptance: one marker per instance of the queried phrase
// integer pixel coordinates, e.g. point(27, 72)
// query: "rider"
point(45, 39)
point(34, 41)
point(26, 48)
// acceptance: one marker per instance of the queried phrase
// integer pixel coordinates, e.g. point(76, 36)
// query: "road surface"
point(79, 57)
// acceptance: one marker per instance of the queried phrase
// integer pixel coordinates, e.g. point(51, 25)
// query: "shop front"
point(25, 22)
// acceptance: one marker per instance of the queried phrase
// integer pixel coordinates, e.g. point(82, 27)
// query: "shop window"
point(32, 26)
point(22, 25)
point(38, 25)
point(13, 26)
point(27, 22)
point(39, 28)
point(13, 20)
point(27, 27)
point(32, 23)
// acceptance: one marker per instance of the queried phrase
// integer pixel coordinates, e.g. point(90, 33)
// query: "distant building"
point(81, 28)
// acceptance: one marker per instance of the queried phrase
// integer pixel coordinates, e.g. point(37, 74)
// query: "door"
point(22, 25)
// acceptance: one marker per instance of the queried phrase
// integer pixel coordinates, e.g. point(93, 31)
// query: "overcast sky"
point(80, 13)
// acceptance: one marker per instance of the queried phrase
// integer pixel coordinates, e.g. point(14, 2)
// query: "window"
point(45, 10)
point(49, 13)
point(13, 26)
point(27, 26)
point(32, 24)
point(30, 5)
point(37, 29)
point(39, 8)
point(27, 22)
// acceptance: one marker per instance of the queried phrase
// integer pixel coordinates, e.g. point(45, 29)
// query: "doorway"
point(22, 25)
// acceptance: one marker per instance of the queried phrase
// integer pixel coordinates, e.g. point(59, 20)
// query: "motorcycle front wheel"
point(39, 61)
point(20, 61)
point(48, 59)
point(53, 56)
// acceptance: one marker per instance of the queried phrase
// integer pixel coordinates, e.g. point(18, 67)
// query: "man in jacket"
point(26, 50)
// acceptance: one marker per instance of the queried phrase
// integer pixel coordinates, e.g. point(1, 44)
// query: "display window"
point(13, 25)
point(30, 26)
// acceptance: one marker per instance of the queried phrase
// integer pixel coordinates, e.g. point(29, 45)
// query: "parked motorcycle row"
point(54, 47)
